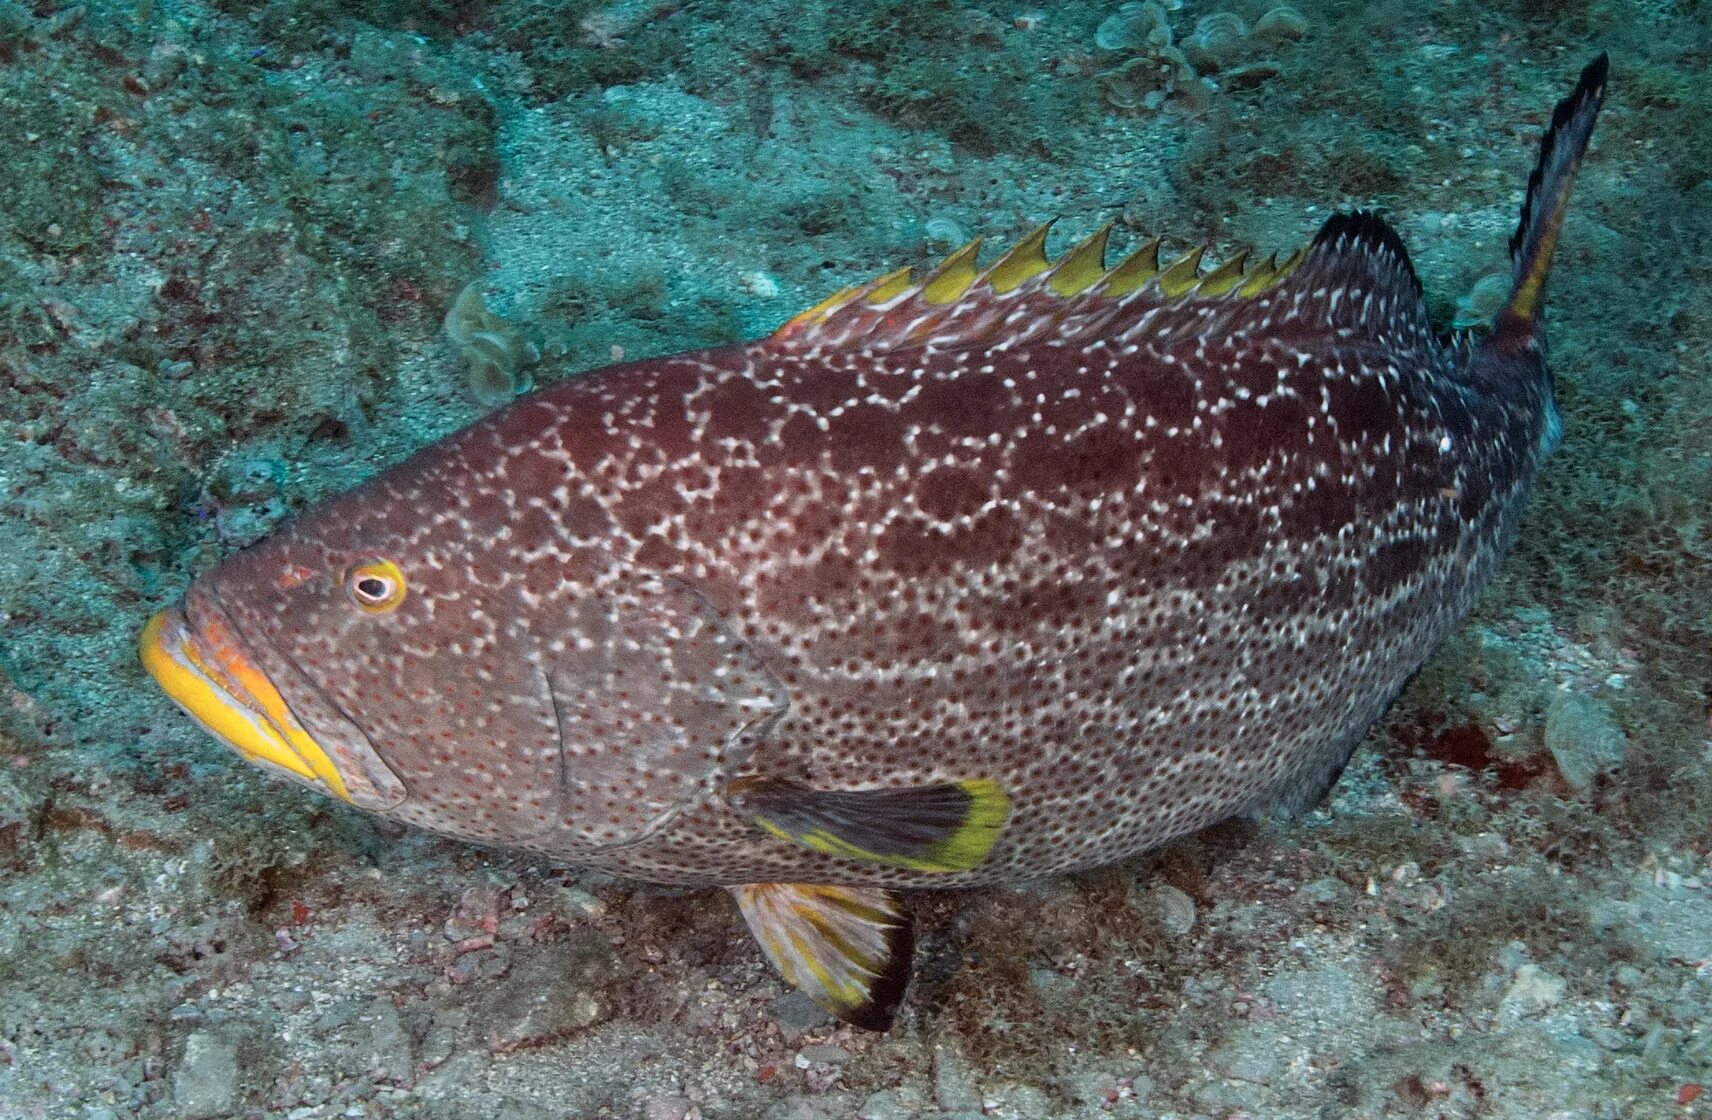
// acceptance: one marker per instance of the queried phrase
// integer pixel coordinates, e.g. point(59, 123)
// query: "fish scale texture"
point(1157, 566)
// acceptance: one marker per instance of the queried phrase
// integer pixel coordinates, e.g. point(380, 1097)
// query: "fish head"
point(463, 643)
point(379, 648)
point(245, 654)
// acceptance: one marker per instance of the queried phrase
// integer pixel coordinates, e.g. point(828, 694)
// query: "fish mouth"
point(203, 667)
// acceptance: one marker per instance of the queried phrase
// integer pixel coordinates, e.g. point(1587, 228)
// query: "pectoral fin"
point(846, 948)
point(949, 826)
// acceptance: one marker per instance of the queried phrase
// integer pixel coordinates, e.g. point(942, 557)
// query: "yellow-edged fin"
point(1183, 275)
point(1024, 259)
point(1223, 278)
point(1083, 266)
point(1133, 271)
point(953, 276)
point(1535, 239)
point(944, 827)
point(888, 287)
point(846, 948)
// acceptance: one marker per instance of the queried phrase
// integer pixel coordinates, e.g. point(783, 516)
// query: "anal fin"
point(944, 827)
point(846, 948)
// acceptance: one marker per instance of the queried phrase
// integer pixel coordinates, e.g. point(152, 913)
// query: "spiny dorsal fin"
point(1023, 295)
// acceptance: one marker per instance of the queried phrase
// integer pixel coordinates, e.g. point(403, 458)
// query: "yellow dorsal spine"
point(1133, 271)
point(1078, 270)
point(889, 286)
point(1024, 259)
point(953, 276)
point(1183, 275)
point(822, 310)
point(1225, 277)
point(1256, 281)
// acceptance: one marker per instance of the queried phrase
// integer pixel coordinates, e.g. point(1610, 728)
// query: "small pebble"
point(205, 1085)
point(823, 1052)
point(1584, 739)
point(1531, 992)
point(953, 1084)
point(1174, 908)
point(539, 1001)
point(892, 1104)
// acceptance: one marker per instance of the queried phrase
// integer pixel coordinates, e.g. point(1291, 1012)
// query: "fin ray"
point(1081, 267)
point(1023, 261)
point(954, 275)
point(847, 948)
point(1183, 274)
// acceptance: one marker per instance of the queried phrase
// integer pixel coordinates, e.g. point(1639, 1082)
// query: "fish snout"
point(197, 658)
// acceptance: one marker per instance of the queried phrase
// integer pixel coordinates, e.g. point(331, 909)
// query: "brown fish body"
point(1142, 586)
point(1000, 574)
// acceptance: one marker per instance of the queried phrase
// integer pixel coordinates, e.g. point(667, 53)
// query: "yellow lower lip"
point(207, 674)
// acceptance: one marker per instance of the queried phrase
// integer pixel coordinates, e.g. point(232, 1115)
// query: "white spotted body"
point(1144, 573)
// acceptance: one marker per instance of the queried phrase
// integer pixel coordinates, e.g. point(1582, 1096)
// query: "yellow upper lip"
point(204, 668)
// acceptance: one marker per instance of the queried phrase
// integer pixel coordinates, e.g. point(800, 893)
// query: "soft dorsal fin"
point(1356, 279)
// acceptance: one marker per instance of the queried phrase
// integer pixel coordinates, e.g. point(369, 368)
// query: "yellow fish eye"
point(376, 586)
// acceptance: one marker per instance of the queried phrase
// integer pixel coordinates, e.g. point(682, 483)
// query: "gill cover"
point(656, 699)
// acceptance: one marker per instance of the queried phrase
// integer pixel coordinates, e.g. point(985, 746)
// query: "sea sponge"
point(1174, 909)
point(1219, 40)
point(499, 351)
point(1282, 24)
point(944, 231)
point(1134, 26)
point(1146, 81)
point(1157, 70)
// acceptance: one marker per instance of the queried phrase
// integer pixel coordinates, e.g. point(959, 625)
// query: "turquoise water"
point(230, 238)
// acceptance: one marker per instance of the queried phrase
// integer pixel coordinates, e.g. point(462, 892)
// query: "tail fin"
point(1548, 193)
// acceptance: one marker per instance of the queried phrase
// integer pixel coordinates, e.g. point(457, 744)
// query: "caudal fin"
point(1548, 193)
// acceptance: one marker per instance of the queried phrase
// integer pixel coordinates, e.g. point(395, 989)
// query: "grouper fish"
point(978, 577)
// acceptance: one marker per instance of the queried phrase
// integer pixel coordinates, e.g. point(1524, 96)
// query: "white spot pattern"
point(1147, 565)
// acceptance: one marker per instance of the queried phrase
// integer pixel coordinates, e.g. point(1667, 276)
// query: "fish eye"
point(376, 586)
